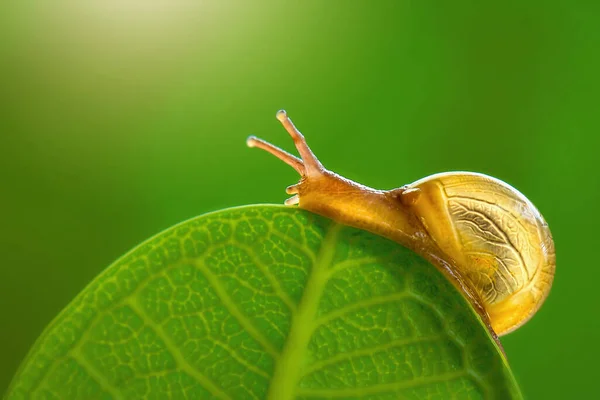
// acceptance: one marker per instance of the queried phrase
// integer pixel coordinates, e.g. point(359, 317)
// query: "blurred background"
point(120, 118)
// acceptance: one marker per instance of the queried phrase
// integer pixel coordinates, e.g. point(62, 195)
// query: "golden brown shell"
point(499, 240)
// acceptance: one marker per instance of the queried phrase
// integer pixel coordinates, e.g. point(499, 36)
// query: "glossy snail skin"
point(488, 238)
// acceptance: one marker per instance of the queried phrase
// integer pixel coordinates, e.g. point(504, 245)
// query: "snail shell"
point(499, 238)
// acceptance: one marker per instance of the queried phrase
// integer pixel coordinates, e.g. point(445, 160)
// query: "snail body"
point(486, 236)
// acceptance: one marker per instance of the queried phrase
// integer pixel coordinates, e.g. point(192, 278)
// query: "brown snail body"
point(486, 236)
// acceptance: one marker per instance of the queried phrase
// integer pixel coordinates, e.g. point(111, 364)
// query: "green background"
point(121, 118)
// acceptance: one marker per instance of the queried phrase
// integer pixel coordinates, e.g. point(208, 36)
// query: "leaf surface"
point(266, 302)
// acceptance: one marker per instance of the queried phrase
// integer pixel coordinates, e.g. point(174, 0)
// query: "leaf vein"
point(101, 380)
point(287, 372)
point(179, 357)
point(272, 279)
point(235, 311)
point(382, 388)
point(373, 301)
point(368, 351)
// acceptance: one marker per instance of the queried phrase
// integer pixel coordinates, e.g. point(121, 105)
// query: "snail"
point(483, 234)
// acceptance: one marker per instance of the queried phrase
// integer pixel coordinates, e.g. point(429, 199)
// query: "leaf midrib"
point(288, 369)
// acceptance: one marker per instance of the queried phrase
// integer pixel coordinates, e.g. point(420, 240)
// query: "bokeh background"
point(120, 118)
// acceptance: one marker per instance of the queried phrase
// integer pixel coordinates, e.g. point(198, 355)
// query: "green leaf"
point(266, 302)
